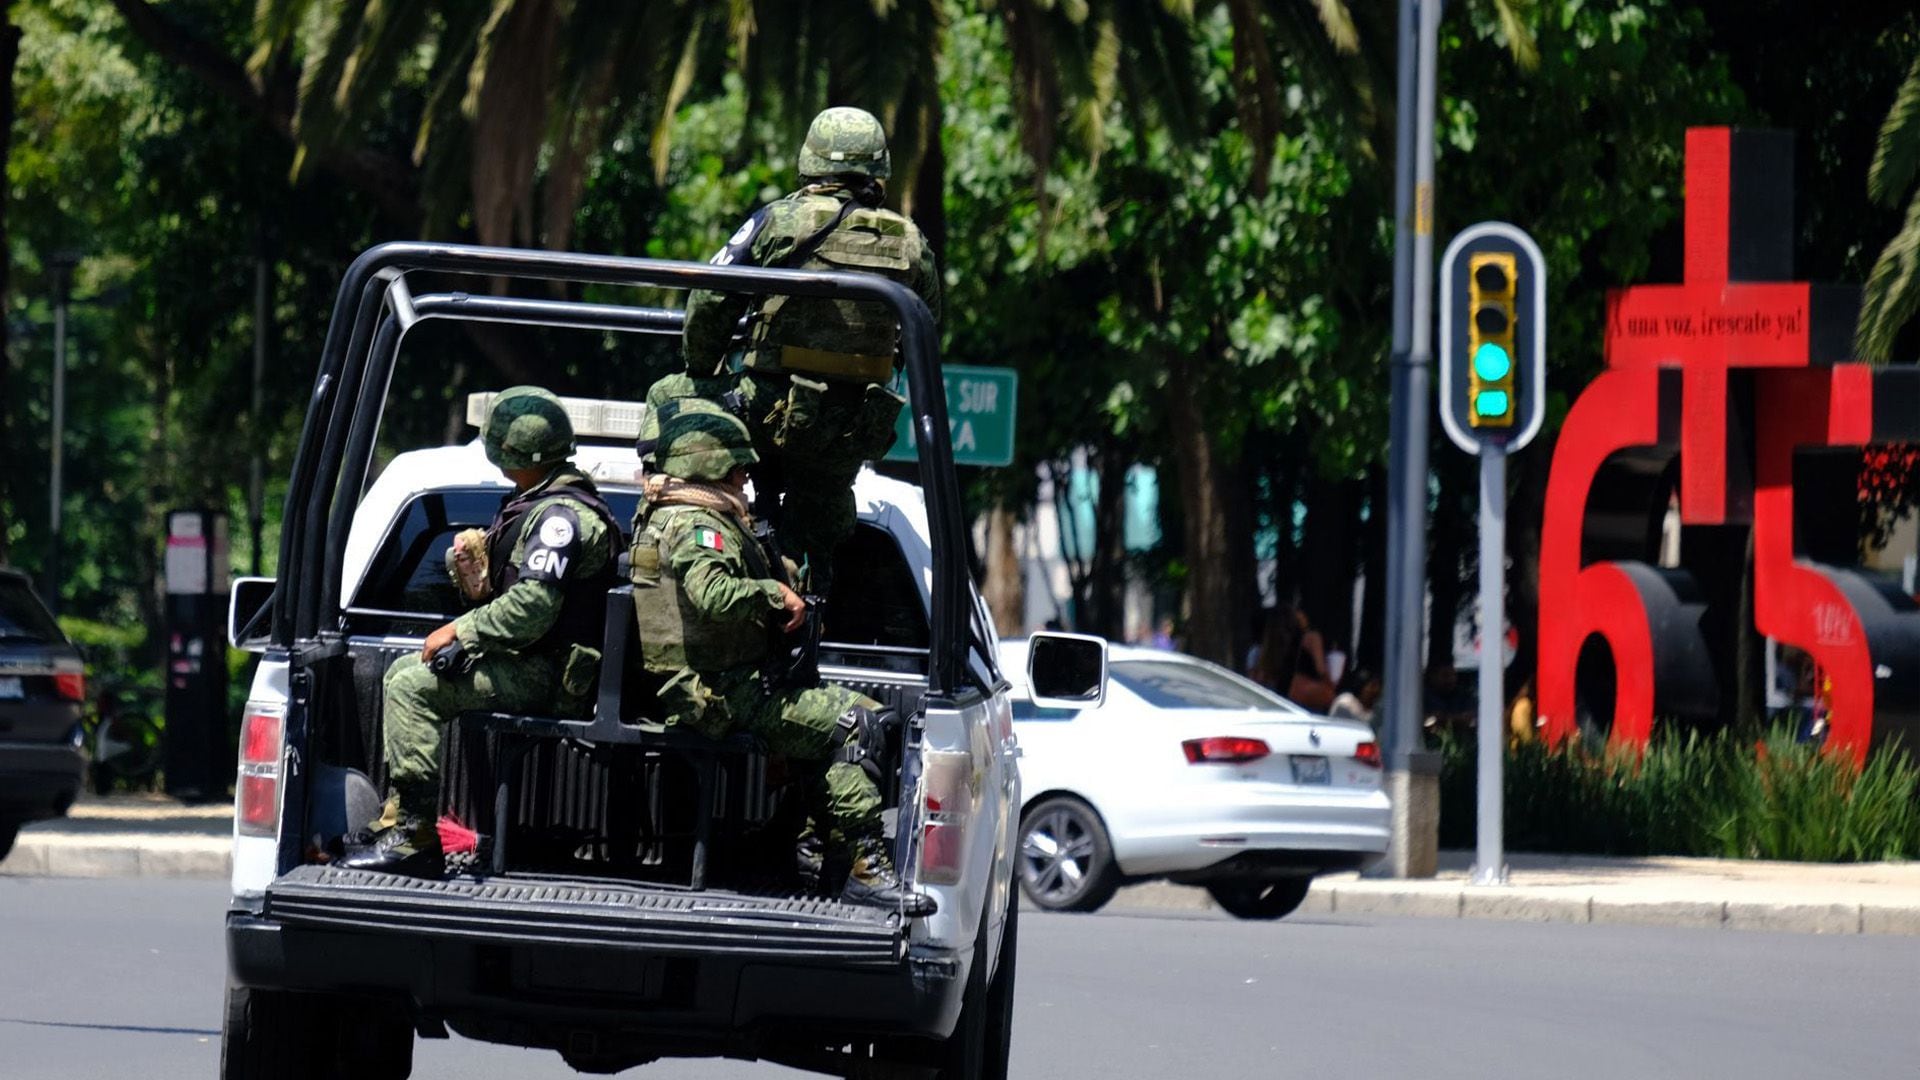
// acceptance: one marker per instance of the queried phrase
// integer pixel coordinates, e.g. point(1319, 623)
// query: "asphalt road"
point(122, 979)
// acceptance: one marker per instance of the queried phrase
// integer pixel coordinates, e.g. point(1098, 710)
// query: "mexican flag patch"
point(709, 538)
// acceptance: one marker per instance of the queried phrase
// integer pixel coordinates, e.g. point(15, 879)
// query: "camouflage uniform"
point(708, 605)
point(533, 646)
point(813, 372)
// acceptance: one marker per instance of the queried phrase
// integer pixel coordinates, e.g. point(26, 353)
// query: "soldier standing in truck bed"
point(810, 376)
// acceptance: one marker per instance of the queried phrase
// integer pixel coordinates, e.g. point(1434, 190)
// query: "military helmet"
point(527, 427)
point(700, 440)
point(845, 140)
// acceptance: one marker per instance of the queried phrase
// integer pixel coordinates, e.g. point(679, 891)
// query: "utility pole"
point(1413, 773)
point(61, 264)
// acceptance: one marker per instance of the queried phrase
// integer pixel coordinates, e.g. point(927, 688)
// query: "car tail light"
point(71, 685)
point(1224, 749)
point(1367, 753)
point(257, 796)
point(948, 817)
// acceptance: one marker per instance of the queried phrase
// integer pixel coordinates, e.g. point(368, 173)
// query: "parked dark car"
point(41, 690)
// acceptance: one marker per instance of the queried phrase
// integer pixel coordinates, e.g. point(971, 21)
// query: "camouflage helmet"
point(527, 427)
point(845, 140)
point(700, 440)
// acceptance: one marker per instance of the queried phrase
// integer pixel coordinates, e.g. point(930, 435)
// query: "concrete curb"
point(1444, 900)
point(209, 857)
point(111, 855)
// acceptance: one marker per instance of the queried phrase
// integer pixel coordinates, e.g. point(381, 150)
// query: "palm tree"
point(1893, 289)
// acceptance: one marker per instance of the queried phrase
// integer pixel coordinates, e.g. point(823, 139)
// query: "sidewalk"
point(135, 836)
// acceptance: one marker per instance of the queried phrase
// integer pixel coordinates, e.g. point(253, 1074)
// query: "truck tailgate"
point(660, 921)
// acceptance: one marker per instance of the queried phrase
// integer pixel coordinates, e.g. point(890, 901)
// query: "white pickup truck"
point(618, 916)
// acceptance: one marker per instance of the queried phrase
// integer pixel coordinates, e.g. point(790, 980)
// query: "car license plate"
point(11, 686)
point(1311, 770)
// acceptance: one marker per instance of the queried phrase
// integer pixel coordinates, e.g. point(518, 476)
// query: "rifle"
point(794, 660)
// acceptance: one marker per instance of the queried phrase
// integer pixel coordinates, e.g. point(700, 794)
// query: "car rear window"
point(1172, 684)
point(22, 616)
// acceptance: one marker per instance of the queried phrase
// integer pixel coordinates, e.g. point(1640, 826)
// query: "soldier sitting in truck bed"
point(708, 599)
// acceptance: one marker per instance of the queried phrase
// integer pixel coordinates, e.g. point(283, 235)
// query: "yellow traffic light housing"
point(1491, 281)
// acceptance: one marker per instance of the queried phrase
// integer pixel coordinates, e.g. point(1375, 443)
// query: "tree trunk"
point(1453, 525)
point(1106, 577)
point(1218, 591)
point(1373, 603)
point(1006, 593)
point(9, 56)
point(1326, 558)
point(1526, 506)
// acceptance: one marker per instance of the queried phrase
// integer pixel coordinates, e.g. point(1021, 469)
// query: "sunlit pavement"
point(112, 978)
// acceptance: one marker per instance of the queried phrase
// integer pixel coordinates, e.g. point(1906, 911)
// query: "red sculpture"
point(1728, 374)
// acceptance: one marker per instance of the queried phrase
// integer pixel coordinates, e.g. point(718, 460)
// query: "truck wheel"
point(1066, 861)
point(268, 1036)
point(9, 832)
point(963, 1055)
point(273, 1035)
point(1260, 899)
point(999, 1042)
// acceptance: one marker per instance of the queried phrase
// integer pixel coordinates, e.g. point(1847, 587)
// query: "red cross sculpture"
point(1726, 374)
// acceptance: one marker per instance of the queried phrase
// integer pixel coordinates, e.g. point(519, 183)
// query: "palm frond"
point(1893, 290)
point(1341, 32)
point(274, 24)
point(676, 94)
point(1896, 157)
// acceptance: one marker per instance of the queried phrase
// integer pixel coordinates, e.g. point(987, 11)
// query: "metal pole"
point(1490, 862)
point(1415, 819)
point(256, 468)
point(56, 439)
point(1392, 734)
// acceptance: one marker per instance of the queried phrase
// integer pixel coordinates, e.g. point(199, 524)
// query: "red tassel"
point(455, 838)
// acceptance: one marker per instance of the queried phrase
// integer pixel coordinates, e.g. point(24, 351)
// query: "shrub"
point(1690, 794)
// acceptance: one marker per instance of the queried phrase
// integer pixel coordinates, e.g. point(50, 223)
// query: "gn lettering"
point(980, 415)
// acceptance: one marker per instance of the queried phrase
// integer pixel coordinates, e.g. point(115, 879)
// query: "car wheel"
point(1260, 899)
point(9, 832)
point(1066, 862)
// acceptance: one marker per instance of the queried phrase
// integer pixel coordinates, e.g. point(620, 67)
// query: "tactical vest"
point(838, 339)
point(583, 601)
point(673, 634)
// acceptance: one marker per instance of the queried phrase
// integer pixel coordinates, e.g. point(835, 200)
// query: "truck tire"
point(963, 1055)
point(1260, 899)
point(274, 1035)
point(999, 1041)
point(268, 1036)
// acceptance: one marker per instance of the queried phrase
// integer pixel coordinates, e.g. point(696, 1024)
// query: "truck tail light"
point(70, 685)
point(1367, 753)
point(1224, 749)
point(948, 816)
point(257, 794)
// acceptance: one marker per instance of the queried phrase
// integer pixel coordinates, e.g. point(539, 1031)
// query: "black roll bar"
point(339, 411)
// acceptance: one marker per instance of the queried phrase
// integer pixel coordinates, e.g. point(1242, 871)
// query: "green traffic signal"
point(1490, 403)
point(1492, 364)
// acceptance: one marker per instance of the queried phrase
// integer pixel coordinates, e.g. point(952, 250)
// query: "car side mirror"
point(249, 613)
point(1067, 671)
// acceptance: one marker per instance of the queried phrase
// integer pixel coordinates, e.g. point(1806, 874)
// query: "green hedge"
point(1695, 795)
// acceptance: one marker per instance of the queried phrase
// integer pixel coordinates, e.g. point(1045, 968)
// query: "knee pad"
point(862, 734)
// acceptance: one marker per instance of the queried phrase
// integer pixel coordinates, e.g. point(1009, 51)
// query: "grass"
point(1696, 795)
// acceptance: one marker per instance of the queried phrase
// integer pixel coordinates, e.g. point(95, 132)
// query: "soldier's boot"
point(874, 882)
point(406, 841)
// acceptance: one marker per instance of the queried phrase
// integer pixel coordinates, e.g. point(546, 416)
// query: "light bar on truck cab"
point(593, 418)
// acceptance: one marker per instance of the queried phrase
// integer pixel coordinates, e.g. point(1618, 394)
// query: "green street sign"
point(980, 402)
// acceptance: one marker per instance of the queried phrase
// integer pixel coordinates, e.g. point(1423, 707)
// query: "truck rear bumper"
point(624, 970)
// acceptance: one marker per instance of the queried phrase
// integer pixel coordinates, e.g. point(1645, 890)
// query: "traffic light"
point(1490, 332)
point(1493, 353)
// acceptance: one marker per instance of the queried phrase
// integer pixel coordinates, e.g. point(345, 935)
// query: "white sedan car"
point(1192, 773)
